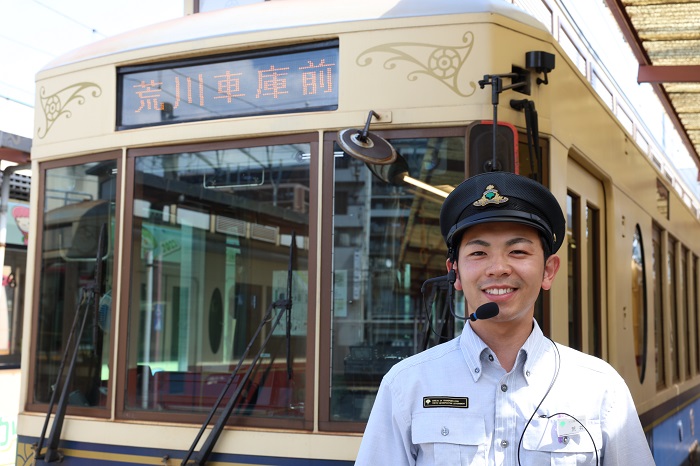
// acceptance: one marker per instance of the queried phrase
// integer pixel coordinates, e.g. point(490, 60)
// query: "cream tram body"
point(418, 66)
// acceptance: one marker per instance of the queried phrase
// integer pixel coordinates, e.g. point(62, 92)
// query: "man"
point(502, 393)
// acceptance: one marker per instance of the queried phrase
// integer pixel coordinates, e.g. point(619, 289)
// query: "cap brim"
point(514, 216)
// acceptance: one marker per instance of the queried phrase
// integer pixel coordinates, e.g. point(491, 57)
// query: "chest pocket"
point(449, 438)
point(542, 445)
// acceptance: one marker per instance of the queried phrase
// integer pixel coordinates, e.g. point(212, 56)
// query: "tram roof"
point(281, 14)
point(665, 39)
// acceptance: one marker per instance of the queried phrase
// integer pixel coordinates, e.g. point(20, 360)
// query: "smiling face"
point(504, 263)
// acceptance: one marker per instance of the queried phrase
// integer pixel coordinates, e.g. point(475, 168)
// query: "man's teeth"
point(499, 291)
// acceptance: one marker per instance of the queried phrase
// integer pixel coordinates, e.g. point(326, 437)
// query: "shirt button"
point(491, 357)
point(504, 443)
point(445, 431)
point(527, 373)
point(504, 388)
point(476, 370)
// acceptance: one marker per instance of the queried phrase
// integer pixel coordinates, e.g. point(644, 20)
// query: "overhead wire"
point(26, 45)
point(70, 18)
point(12, 99)
point(40, 50)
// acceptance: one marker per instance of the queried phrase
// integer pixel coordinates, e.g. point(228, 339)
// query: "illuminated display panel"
point(300, 79)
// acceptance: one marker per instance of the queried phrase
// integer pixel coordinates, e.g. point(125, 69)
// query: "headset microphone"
point(485, 311)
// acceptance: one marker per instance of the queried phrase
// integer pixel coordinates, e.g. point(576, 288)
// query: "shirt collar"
point(472, 346)
point(532, 350)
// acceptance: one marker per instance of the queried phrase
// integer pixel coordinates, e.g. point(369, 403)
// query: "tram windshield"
point(216, 236)
point(78, 201)
point(387, 242)
point(212, 236)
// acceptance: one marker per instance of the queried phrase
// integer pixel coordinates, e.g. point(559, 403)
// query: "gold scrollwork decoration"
point(57, 104)
point(25, 455)
point(443, 63)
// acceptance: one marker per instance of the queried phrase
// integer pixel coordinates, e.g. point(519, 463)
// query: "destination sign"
point(281, 82)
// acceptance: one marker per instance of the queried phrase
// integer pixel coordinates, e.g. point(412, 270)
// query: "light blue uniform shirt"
point(455, 405)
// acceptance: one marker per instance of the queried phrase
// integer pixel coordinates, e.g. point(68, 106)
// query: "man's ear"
point(551, 266)
point(453, 266)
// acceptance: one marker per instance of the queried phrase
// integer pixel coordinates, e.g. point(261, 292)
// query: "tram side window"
point(659, 325)
point(685, 309)
point(573, 206)
point(77, 201)
point(13, 282)
point(674, 345)
point(387, 242)
point(216, 235)
point(595, 324)
point(639, 312)
point(12, 303)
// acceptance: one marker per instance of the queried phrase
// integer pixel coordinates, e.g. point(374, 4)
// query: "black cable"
point(12, 99)
point(487, 310)
point(595, 448)
point(429, 322)
point(557, 364)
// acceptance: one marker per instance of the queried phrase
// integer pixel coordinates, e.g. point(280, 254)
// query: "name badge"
point(445, 402)
point(568, 426)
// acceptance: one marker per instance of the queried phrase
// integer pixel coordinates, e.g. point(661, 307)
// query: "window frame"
point(103, 412)
point(325, 423)
point(574, 276)
point(671, 284)
point(595, 304)
point(304, 423)
point(661, 327)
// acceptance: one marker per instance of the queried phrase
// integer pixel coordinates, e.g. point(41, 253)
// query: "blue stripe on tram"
point(85, 453)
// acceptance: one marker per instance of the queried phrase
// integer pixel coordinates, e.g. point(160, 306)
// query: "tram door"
point(585, 218)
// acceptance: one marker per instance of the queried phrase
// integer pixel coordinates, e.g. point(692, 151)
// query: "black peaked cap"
point(501, 197)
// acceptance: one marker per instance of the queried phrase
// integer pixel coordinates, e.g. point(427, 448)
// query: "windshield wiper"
point(284, 303)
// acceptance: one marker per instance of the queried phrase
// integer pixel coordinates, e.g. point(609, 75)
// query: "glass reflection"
point(212, 235)
point(387, 242)
point(78, 201)
point(639, 320)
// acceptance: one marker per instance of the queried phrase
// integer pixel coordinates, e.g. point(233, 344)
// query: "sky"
point(35, 32)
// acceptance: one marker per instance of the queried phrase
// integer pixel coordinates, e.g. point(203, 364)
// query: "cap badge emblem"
point(490, 196)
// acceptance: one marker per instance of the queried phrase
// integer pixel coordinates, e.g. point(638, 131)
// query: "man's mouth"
point(498, 291)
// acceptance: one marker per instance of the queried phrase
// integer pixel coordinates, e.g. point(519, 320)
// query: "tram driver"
point(502, 393)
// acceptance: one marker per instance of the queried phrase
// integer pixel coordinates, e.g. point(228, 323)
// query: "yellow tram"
point(217, 278)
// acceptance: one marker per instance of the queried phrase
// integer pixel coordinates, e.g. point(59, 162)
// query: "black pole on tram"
point(520, 81)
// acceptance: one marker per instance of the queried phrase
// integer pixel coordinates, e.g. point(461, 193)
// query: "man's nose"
point(499, 266)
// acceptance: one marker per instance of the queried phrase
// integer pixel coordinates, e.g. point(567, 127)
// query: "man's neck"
point(504, 338)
